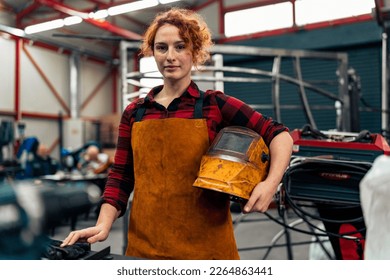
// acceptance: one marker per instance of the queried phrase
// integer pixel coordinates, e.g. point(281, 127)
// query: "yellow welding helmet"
point(237, 160)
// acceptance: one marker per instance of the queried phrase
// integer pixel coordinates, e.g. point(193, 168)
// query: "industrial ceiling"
point(98, 37)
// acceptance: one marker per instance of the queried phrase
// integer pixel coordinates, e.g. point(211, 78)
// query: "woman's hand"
point(108, 214)
point(260, 199)
point(280, 153)
point(90, 235)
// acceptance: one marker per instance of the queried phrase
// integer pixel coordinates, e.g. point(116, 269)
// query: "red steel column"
point(18, 44)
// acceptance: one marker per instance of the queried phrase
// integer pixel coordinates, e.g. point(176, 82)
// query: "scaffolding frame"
point(346, 115)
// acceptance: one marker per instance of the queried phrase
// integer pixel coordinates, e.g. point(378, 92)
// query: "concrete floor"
point(258, 237)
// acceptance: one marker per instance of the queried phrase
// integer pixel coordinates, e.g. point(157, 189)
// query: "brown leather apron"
point(169, 218)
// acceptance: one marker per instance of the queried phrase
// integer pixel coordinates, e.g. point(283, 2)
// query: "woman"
point(162, 138)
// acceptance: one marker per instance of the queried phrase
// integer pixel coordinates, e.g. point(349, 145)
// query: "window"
point(258, 19)
point(278, 16)
point(311, 11)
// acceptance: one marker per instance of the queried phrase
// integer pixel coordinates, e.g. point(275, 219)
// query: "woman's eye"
point(160, 48)
point(180, 47)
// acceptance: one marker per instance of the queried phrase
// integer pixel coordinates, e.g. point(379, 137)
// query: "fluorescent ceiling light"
point(99, 14)
point(167, 1)
point(72, 20)
point(53, 24)
point(130, 7)
point(11, 30)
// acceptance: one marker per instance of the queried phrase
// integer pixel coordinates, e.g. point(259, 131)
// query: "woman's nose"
point(171, 54)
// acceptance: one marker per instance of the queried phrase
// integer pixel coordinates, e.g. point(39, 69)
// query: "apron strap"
point(198, 111)
point(140, 113)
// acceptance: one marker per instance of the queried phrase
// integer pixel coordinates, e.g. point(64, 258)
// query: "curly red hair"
point(192, 29)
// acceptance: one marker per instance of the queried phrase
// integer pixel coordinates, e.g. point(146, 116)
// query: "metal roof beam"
point(26, 11)
point(105, 25)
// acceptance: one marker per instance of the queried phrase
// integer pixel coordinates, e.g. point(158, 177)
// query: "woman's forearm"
point(107, 215)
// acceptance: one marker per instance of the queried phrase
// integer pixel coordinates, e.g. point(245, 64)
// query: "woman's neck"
point(170, 91)
point(175, 88)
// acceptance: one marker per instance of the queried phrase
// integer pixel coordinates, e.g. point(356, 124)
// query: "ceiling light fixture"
point(44, 26)
point(11, 30)
point(167, 1)
point(72, 20)
point(131, 7)
point(101, 14)
point(53, 24)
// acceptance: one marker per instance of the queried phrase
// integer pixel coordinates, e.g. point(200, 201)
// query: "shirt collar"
point(192, 90)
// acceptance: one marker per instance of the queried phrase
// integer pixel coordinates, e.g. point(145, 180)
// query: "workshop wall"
point(7, 74)
point(40, 91)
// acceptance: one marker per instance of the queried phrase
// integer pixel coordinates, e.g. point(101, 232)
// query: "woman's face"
point(173, 59)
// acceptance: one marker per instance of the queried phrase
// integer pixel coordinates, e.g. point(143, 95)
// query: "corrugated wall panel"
point(320, 73)
point(366, 60)
point(364, 55)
